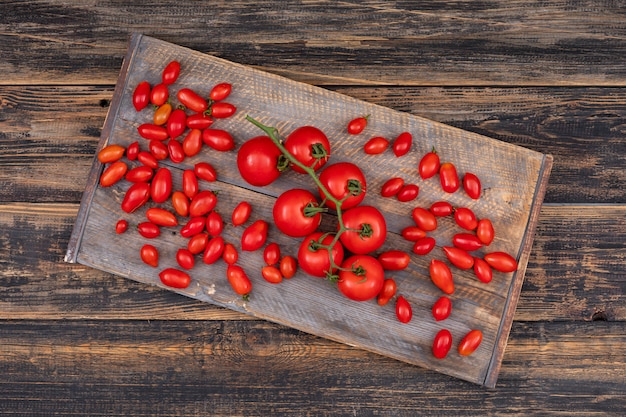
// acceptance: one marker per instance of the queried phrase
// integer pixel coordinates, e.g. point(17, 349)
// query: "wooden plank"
point(258, 368)
point(440, 43)
point(512, 197)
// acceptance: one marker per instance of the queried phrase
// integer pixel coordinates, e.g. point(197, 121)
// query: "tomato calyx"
point(312, 210)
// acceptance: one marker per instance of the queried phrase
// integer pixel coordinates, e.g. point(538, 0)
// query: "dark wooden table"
point(552, 78)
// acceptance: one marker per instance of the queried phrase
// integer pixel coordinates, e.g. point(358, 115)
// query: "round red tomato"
point(309, 146)
point(258, 161)
point(344, 181)
point(296, 212)
point(361, 277)
point(314, 260)
point(366, 229)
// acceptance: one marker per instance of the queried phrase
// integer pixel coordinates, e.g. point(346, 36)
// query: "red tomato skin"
point(466, 241)
point(361, 288)
point(448, 177)
point(394, 260)
point(471, 185)
point(205, 171)
point(199, 121)
point(441, 276)
point(317, 263)
point(429, 165)
point(170, 73)
point(192, 100)
point(407, 193)
point(177, 123)
point(271, 254)
point(470, 342)
point(121, 226)
point(254, 236)
point(241, 213)
point(113, 173)
point(218, 139)
point(175, 150)
point(185, 258)
point(159, 95)
point(458, 257)
point(230, 254)
point(220, 91)
point(197, 243)
point(147, 159)
point(214, 224)
point(222, 110)
point(161, 185)
point(441, 209)
point(442, 344)
point(357, 125)
point(161, 217)
point(180, 203)
point(271, 274)
point(300, 144)
point(148, 230)
point(190, 183)
point(404, 312)
point(152, 132)
point(465, 218)
point(501, 261)
point(387, 292)
point(424, 219)
point(192, 143)
point(202, 203)
point(485, 231)
point(376, 145)
point(111, 153)
point(214, 250)
point(482, 270)
point(336, 178)
point(159, 150)
point(194, 226)
point(402, 144)
point(442, 308)
point(175, 278)
point(424, 245)
point(136, 196)
point(288, 266)
point(391, 187)
point(289, 213)
point(355, 220)
point(132, 151)
point(238, 280)
point(149, 255)
point(257, 161)
point(141, 96)
point(413, 233)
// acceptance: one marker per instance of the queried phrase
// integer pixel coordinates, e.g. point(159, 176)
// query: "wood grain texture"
point(372, 42)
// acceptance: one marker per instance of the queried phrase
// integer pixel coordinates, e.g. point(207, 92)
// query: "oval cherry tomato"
point(465, 218)
point(149, 255)
point(121, 226)
point(175, 278)
point(170, 73)
point(148, 230)
point(152, 132)
point(132, 151)
point(175, 150)
point(190, 183)
point(202, 203)
point(136, 196)
point(192, 100)
point(113, 173)
point(429, 165)
point(230, 254)
point(271, 254)
point(288, 266)
point(161, 217)
point(239, 280)
point(482, 270)
point(111, 153)
point(147, 159)
point(141, 95)
point(205, 171)
point(413, 233)
point(197, 243)
point(271, 274)
point(361, 277)
point(159, 95)
point(220, 91)
point(214, 250)
point(376, 145)
point(404, 312)
point(180, 203)
point(448, 177)
point(310, 146)
point(161, 185)
point(366, 229)
point(296, 212)
point(441, 209)
point(241, 213)
point(192, 144)
point(424, 245)
point(424, 219)
point(442, 343)
point(485, 231)
point(394, 260)
point(162, 114)
point(177, 123)
point(409, 192)
point(185, 258)
point(314, 260)
point(471, 185)
point(442, 308)
point(458, 257)
point(258, 161)
point(391, 187)
point(159, 150)
point(214, 224)
point(254, 236)
point(402, 145)
point(194, 226)
point(501, 261)
point(441, 276)
point(199, 121)
point(222, 110)
point(344, 181)
point(466, 241)
point(470, 342)
point(357, 125)
point(387, 292)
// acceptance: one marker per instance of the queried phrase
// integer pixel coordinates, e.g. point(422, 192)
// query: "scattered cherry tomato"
point(132, 151)
point(148, 230)
point(241, 213)
point(429, 165)
point(387, 292)
point(162, 114)
point(271, 254)
point(441, 209)
point(442, 343)
point(271, 274)
point(180, 203)
point(471, 185)
point(254, 236)
point(402, 144)
point(192, 100)
point(413, 233)
point(205, 171)
point(485, 231)
point(194, 226)
point(230, 254)
point(222, 110)
point(161, 217)
point(190, 183)
point(458, 257)
point(121, 226)
point(404, 312)
point(111, 153)
point(466, 241)
point(113, 173)
point(161, 185)
point(220, 91)
point(470, 342)
point(159, 150)
point(214, 223)
point(376, 145)
point(202, 203)
point(424, 219)
point(394, 260)
point(442, 308)
point(152, 132)
point(501, 261)
point(310, 146)
point(214, 250)
point(136, 196)
point(441, 276)
point(177, 123)
point(170, 73)
point(424, 245)
point(185, 258)
point(159, 95)
point(147, 159)
point(408, 192)
point(465, 218)
point(141, 96)
point(192, 143)
point(392, 186)
point(239, 280)
point(175, 150)
point(357, 125)
point(149, 255)
point(199, 121)
point(175, 278)
point(361, 277)
point(482, 270)
point(197, 243)
point(288, 266)
point(448, 177)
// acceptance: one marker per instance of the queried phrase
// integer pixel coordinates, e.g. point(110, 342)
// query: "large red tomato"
point(343, 180)
point(308, 145)
point(367, 229)
point(258, 160)
point(296, 212)
point(361, 277)
point(315, 261)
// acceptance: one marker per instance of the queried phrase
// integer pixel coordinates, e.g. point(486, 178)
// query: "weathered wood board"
point(513, 178)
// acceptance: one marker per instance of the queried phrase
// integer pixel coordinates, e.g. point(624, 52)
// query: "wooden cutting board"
point(513, 178)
